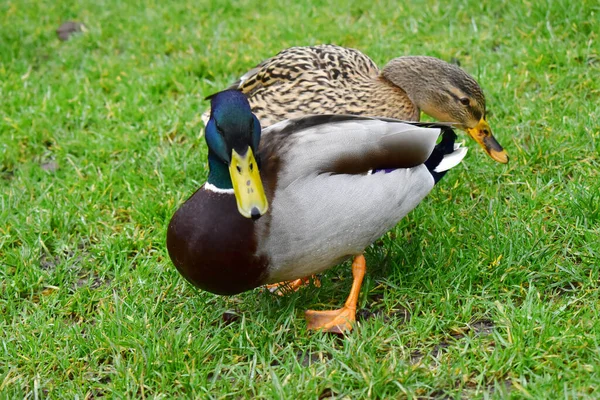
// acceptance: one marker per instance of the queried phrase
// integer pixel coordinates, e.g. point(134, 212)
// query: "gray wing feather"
point(353, 146)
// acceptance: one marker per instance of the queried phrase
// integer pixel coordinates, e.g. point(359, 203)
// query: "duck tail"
point(446, 154)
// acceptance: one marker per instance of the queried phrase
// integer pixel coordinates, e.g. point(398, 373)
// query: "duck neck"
point(218, 174)
point(426, 81)
point(414, 75)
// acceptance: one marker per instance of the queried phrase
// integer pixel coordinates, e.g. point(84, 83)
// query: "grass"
point(490, 288)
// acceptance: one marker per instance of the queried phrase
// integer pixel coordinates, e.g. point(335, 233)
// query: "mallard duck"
point(289, 202)
point(329, 79)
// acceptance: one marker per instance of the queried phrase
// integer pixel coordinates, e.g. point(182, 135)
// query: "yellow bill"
point(482, 133)
point(247, 185)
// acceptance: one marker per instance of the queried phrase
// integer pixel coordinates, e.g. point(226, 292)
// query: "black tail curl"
point(446, 146)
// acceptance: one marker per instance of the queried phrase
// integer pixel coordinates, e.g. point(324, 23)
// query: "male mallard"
point(329, 79)
point(292, 202)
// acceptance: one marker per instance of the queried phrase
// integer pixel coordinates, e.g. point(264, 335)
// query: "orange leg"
point(340, 320)
point(282, 288)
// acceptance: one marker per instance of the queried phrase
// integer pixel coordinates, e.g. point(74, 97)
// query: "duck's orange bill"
point(482, 133)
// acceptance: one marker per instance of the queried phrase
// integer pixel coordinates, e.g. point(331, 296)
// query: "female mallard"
point(300, 203)
point(329, 79)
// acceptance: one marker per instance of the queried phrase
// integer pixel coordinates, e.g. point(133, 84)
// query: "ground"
point(490, 288)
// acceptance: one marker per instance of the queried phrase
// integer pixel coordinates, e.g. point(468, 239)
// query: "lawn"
point(490, 288)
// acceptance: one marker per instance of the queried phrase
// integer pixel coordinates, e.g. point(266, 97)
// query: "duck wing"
point(345, 144)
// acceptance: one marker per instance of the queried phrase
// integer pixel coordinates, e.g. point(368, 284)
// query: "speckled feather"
point(324, 79)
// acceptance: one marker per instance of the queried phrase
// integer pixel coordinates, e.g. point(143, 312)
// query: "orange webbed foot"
point(335, 321)
point(340, 320)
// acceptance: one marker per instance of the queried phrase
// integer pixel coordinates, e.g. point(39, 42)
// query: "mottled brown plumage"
point(328, 79)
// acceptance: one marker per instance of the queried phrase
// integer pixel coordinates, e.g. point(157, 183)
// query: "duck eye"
point(218, 127)
point(464, 101)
